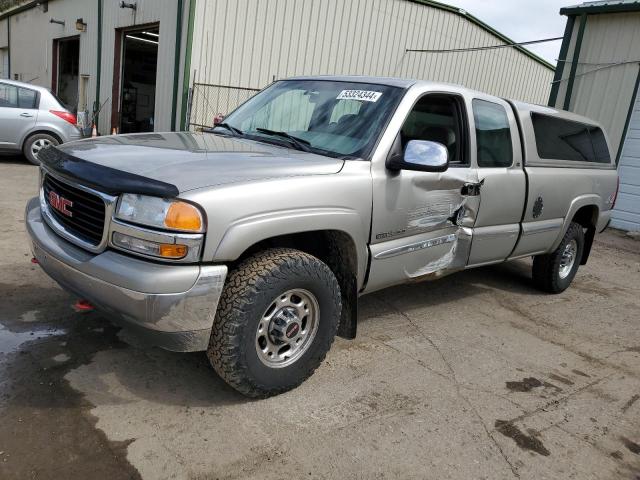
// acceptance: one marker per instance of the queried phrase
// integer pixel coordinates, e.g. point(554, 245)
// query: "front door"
point(421, 225)
point(18, 114)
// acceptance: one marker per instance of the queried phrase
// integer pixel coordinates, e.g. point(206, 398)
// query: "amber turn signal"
point(171, 250)
point(183, 216)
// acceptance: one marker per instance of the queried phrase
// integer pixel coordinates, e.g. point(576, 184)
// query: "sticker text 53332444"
point(364, 95)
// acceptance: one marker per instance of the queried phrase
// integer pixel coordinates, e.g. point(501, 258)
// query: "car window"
point(560, 139)
point(335, 118)
point(8, 96)
point(27, 98)
point(437, 118)
point(493, 135)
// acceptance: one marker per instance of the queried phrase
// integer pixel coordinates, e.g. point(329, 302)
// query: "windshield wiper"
point(299, 143)
point(231, 128)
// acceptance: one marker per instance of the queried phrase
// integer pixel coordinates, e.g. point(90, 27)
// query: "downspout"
point(9, 48)
point(568, 31)
point(176, 67)
point(96, 104)
point(574, 61)
point(186, 73)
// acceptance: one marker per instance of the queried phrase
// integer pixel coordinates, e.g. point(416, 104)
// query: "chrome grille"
point(87, 218)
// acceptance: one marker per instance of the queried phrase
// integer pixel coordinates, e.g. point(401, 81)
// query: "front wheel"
point(276, 320)
point(555, 271)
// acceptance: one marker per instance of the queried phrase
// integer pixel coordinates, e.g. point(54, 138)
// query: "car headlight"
point(162, 213)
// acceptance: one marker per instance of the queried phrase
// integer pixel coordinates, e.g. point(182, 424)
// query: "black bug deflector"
point(105, 179)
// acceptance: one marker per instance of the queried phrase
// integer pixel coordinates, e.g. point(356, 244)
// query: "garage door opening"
point(139, 74)
point(66, 68)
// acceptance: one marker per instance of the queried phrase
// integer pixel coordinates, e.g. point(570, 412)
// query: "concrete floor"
point(477, 376)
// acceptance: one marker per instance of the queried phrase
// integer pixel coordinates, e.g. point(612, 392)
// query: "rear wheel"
point(36, 143)
point(276, 320)
point(555, 271)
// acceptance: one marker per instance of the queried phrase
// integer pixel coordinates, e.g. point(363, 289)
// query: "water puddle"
point(11, 341)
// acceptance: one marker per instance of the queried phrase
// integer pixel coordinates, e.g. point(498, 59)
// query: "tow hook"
point(34, 260)
point(83, 306)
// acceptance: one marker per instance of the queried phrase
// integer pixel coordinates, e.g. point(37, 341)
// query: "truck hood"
point(185, 161)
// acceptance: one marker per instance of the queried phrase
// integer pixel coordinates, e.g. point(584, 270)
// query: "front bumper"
point(172, 306)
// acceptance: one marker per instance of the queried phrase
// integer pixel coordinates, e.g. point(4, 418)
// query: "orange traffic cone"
point(114, 131)
point(94, 131)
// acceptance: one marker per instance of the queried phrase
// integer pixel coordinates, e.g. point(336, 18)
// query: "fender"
point(581, 201)
point(245, 232)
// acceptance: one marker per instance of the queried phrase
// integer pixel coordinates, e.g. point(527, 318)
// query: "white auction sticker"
point(364, 95)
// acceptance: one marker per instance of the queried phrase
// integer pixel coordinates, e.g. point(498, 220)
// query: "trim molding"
point(186, 73)
point(634, 99)
point(176, 64)
point(557, 78)
point(574, 62)
point(412, 247)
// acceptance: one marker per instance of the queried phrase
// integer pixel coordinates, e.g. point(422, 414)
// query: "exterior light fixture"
point(80, 25)
point(132, 5)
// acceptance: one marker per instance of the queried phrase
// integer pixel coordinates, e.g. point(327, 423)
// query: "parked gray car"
point(254, 241)
point(32, 118)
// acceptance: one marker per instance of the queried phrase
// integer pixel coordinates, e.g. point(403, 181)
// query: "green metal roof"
point(463, 13)
point(602, 6)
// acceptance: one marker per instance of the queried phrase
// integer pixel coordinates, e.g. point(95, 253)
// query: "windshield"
point(340, 119)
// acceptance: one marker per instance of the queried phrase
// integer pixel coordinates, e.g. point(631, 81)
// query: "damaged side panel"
point(428, 232)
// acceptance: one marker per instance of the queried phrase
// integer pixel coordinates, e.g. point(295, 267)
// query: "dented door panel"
point(422, 225)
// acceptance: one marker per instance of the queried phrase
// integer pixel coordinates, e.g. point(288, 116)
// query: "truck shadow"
point(100, 365)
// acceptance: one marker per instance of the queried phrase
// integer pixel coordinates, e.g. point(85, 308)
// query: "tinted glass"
point(342, 119)
point(436, 118)
point(8, 96)
point(560, 139)
point(493, 135)
point(27, 98)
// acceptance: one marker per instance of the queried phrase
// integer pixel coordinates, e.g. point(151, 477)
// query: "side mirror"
point(422, 156)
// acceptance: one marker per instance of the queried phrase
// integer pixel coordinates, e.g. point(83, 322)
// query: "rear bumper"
point(171, 306)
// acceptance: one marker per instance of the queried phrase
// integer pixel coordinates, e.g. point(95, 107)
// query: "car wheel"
point(36, 143)
point(276, 320)
point(555, 271)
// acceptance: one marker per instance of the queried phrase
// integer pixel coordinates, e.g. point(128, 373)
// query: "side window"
point(8, 96)
point(27, 98)
point(493, 135)
point(560, 139)
point(438, 118)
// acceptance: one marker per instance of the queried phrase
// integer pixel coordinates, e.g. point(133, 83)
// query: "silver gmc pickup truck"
point(254, 240)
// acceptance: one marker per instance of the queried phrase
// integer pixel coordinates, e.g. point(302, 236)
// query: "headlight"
point(160, 213)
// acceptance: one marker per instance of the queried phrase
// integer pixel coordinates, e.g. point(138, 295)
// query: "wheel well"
point(335, 248)
point(587, 216)
point(46, 132)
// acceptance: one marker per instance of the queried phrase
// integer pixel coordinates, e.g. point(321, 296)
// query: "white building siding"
point(247, 43)
point(626, 214)
point(4, 33)
point(601, 92)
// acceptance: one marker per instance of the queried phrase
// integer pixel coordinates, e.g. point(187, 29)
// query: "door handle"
point(471, 189)
point(26, 115)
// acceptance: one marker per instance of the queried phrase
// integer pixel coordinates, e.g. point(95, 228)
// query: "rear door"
point(503, 182)
point(18, 114)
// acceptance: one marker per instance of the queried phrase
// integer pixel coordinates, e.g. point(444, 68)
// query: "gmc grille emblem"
point(61, 204)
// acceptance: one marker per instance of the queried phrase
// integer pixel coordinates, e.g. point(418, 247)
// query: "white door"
point(626, 215)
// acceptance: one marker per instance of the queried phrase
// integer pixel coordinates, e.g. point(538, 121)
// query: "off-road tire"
point(28, 144)
point(249, 290)
point(546, 268)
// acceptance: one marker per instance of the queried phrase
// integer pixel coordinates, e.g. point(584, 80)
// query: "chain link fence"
point(208, 101)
